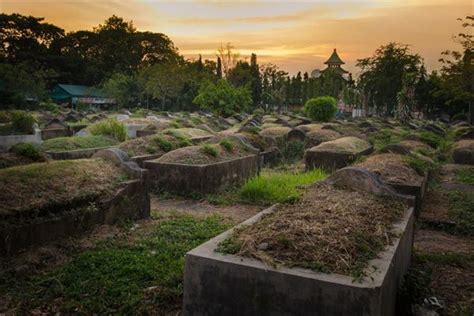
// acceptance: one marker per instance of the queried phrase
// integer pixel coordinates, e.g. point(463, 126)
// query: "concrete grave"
point(337, 153)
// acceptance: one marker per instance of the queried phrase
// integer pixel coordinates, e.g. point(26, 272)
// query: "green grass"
point(227, 144)
point(77, 142)
point(277, 187)
point(386, 137)
point(112, 278)
point(209, 150)
point(466, 175)
point(461, 211)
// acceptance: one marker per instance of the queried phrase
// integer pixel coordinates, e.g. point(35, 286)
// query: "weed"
point(293, 151)
point(164, 144)
point(466, 175)
point(461, 210)
point(209, 150)
point(227, 144)
point(77, 142)
point(277, 187)
point(22, 122)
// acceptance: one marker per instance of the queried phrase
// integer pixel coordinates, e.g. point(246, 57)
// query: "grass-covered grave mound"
point(226, 149)
point(343, 145)
point(31, 190)
point(276, 132)
point(463, 152)
point(329, 229)
point(316, 137)
point(155, 144)
point(77, 142)
point(392, 168)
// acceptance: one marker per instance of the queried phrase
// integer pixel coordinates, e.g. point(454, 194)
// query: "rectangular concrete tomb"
point(179, 178)
point(219, 284)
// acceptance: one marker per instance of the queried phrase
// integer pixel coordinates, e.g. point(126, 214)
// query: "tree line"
point(145, 69)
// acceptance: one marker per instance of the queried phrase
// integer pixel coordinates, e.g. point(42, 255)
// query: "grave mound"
point(463, 152)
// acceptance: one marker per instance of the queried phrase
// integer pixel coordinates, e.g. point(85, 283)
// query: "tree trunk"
point(471, 113)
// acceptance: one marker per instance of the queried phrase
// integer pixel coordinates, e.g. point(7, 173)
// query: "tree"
point(163, 81)
point(123, 88)
point(219, 68)
point(240, 75)
point(274, 83)
point(222, 98)
point(457, 73)
point(406, 100)
point(382, 75)
point(228, 57)
point(256, 85)
point(321, 109)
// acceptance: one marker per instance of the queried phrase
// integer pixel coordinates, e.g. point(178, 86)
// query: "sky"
point(296, 36)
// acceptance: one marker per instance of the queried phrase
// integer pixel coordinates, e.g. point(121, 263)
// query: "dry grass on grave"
point(39, 185)
point(330, 230)
point(392, 168)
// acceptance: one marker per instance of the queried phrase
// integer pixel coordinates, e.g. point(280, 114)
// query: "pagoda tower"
point(335, 62)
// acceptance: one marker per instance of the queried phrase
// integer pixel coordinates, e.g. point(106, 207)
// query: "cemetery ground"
point(135, 265)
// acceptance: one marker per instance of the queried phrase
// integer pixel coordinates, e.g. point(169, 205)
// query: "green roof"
point(334, 59)
point(81, 91)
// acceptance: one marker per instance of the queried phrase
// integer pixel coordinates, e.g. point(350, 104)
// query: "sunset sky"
point(297, 36)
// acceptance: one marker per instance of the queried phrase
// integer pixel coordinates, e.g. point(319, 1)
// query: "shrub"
point(459, 117)
point(27, 150)
point(111, 128)
point(227, 144)
point(321, 108)
point(22, 122)
point(209, 150)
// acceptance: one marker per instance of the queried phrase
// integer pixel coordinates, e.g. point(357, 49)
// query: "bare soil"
point(433, 241)
point(237, 213)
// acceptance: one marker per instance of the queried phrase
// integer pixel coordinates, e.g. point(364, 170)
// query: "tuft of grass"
point(421, 165)
point(227, 144)
point(141, 276)
point(164, 144)
point(77, 142)
point(466, 175)
point(111, 128)
point(209, 150)
point(278, 187)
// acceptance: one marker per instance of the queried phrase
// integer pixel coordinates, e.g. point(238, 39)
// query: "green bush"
point(111, 128)
point(209, 150)
point(22, 122)
point(27, 150)
point(227, 144)
point(321, 108)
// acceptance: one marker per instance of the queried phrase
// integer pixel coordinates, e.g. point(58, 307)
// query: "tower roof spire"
point(334, 59)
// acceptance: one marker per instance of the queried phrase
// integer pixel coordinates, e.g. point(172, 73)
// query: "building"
point(75, 94)
point(333, 63)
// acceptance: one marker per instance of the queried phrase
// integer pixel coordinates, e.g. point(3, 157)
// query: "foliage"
point(321, 108)
point(117, 276)
point(164, 144)
point(466, 175)
point(406, 102)
point(111, 128)
point(277, 187)
point(209, 150)
point(382, 75)
point(77, 142)
point(27, 150)
point(222, 98)
point(22, 122)
point(124, 89)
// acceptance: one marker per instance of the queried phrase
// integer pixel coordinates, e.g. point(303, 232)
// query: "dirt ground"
point(237, 213)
